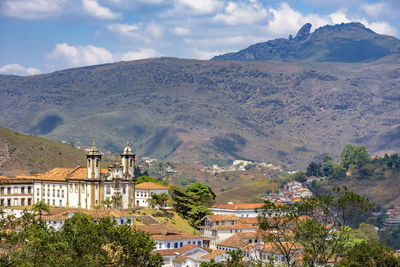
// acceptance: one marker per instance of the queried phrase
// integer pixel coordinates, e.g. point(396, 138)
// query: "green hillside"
point(33, 154)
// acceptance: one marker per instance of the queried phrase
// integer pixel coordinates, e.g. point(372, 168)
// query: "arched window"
point(89, 162)
point(131, 162)
point(97, 162)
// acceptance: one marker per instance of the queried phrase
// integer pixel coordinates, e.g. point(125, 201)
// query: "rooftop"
point(242, 206)
point(148, 185)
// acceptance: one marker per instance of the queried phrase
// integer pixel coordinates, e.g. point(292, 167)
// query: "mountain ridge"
point(346, 42)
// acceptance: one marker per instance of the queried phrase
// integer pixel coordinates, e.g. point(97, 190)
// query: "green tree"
point(320, 224)
point(370, 254)
point(202, 193)
point(108, 203)
point(39, 208)
point(354, 156)
point(235, 257)
point(314, 169)
point(196, 214)
point(298, 176)
point(366, 232)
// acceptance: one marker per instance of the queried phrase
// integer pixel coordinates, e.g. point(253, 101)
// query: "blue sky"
point(41, 36)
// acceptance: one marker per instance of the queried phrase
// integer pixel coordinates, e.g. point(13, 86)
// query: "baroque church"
point(79, 187)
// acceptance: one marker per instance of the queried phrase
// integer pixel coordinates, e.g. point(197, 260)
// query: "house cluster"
point(231, 227)
point(393, 218)
point(241, 165)
point(292, 192)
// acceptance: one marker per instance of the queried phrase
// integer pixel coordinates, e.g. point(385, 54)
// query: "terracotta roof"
point(180, 236)
point(259, 234)
point(272, 248)
point(242, 206)
point(213, 254)
point(18, 179)
point(233, 242)
point(235, 226)
point(223, 217)
point(112, 213)
point(148, 185)
point(158, 229)
point(248, 220)
point(61, 174)
point(175, 251)
point(180, 259)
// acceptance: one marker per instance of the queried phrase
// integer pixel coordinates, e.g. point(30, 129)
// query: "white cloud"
point(242, 13)
point(17, 69)
point(94, 9)
point(65, 55)
point(180, 31)
point(32, 9)
point(142, 53)
point(373, 10)
point(74, 56)
point(380, 27)
point(205, 55)
point(199, 7)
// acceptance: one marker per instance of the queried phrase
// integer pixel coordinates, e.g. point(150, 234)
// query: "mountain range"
point(286, 101)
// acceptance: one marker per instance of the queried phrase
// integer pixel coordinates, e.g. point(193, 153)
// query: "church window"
point(131, 162)
point(124, 189)
point(9, 202)
point(89, 162)
point(29, 189)
point(22, 191)
point(9, 190)
point(58, 193)
point(54, 192)
point(97, 162)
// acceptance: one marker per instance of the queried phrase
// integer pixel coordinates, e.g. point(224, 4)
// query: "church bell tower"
point(93, 159)
point(128, 161)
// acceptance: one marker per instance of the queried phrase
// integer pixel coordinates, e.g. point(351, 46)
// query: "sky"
point(42, 36)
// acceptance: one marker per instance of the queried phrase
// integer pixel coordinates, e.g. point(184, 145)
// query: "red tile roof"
point(175, 251)
point(223, 217)
point(213, 254)
point(242, 206)
point(148, 185)
point(235, 226)
point(233, 242)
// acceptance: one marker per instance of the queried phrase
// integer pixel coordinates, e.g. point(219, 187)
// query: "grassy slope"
point(36, 154)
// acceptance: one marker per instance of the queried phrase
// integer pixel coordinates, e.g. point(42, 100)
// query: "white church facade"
point(79, 187)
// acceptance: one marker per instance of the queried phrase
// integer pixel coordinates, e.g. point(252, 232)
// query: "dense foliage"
point(28, 241)
point(192, 203)
point(320, 225)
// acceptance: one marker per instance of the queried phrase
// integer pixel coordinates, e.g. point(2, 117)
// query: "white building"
point(218, 228)
point(16, 192)
point(78, 187)
point(145, 190)
point(169, 238)
point(240, 210)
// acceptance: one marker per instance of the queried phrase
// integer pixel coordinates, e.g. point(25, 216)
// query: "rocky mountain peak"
point(304, 32)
